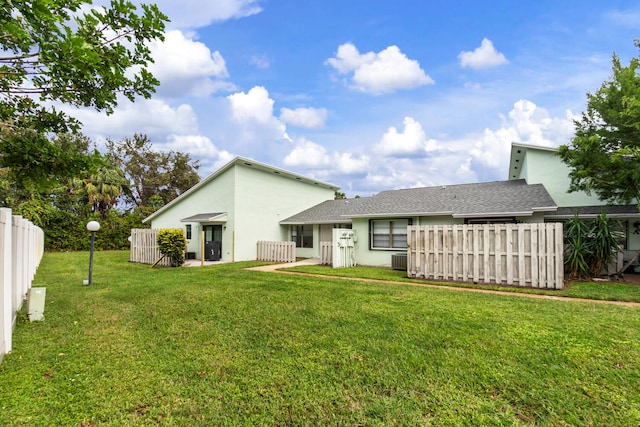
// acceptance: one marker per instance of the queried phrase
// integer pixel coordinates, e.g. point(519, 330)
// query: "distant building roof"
point(613, 211)
point(485, 199)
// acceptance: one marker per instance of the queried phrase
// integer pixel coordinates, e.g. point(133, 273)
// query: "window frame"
point(390, 226)
point(187, 230)
point(303, 240)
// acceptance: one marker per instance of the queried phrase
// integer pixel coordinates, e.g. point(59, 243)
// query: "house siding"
point(545, 167)
point(263, 200)
point(215, 196)
point(255, 201)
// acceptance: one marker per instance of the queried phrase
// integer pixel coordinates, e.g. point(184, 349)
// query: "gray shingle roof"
point(327, 212)
point(205, 217)
point(485, 199)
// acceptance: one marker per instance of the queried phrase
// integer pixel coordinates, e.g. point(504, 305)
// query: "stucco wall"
point(263, 199)
point(255, 201)
point(216, 196)
point(545, 167)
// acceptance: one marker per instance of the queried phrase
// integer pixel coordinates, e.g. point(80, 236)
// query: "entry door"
point(212, 242)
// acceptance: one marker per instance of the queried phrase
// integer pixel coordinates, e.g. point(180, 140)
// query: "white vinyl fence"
point(326, 253)
point(276, 251)
point(527, 255)
point(21, 249)
point(144, 247)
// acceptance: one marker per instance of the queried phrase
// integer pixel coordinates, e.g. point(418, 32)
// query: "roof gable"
point(248, 163)
point(518, 153)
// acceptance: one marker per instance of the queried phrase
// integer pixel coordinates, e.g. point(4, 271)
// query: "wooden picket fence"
point(326, 253)
point(276, 251)
point(21, 249)
point(527, 255)
point(144, 247)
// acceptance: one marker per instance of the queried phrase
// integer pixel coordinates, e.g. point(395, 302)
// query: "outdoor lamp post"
point(92, 226)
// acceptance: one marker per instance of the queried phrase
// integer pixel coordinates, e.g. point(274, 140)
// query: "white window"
point(389, 234)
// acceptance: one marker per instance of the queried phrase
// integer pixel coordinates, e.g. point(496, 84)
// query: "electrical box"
point(35, 303)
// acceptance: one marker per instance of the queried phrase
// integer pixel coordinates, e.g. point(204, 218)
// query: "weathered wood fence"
point(21, 249)
point(326, 253)
point(144, 247)
point(276, 251)
point(527, 255)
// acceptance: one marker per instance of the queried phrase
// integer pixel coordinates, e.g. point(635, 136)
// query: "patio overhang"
point(216, 217)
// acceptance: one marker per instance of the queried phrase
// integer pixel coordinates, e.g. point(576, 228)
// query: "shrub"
point(590, 245)
point(172, 242)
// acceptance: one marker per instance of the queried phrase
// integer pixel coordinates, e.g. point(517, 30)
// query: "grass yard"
point(611, 291)
point(224, 346)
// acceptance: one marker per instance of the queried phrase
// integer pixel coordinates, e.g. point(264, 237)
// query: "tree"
point(604, 155)
point(102, 188)
point(59, 50)
point(152, 173)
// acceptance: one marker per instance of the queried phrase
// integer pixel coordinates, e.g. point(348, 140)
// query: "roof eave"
point(491, 214)
point(399, 215)
point(336, 221)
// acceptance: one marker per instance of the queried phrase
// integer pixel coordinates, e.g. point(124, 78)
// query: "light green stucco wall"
point(215, 196)
point(263, 200)
point(255, 202)
point(545, 167)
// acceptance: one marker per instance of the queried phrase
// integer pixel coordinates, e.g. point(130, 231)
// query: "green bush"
point(172, 242)
point(590, 245)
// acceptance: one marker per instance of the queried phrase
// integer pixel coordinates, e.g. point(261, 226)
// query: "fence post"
point(6, 303)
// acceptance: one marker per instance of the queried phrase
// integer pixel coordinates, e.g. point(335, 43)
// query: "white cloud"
point(351, 164)
point(484, 56)
point(186, 67)
point(149, 116)
point(377, 73)
point(412, 142)
point(307, 154)
point(309, 118)
point(198, 13)
point(255, 107)
point(198, 146)
point(526, 123)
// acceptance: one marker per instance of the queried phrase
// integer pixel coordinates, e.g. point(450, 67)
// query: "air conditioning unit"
point(399, 261)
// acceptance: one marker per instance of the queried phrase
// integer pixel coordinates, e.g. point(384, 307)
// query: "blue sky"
point(373, 95)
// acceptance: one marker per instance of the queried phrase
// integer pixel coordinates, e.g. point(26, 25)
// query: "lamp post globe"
point(93, 226)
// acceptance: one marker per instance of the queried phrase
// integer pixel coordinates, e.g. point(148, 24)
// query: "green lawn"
point(611, 291)
point(225, 346)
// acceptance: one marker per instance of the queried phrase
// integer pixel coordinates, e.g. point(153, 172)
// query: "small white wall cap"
point(93, 226)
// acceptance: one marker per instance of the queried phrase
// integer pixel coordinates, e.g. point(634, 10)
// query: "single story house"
point(247, 201)
point(380, 222)
point(240, 204)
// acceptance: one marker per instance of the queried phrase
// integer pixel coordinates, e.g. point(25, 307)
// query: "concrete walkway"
point(274, 268)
